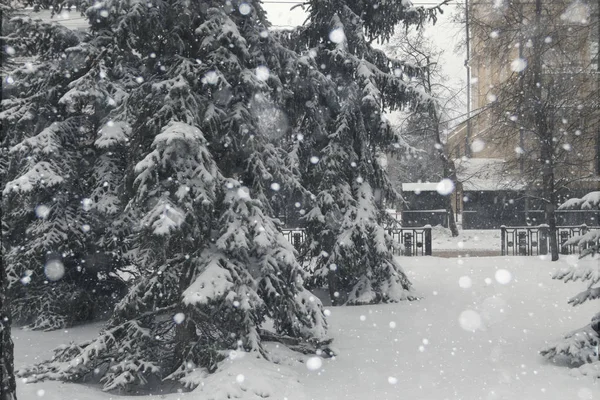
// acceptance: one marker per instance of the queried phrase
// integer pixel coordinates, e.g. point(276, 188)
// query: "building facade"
point(535, 77)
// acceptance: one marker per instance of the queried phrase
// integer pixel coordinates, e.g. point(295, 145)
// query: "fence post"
point(428, 240)
point(563, 237)
point(408, 243)
point(297, 241)
point(543, 240)
point(503, 240)
point(584, 243)
point(523, 243)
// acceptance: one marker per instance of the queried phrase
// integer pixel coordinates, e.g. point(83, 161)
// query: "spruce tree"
point(49, 118)
point(343, 167)
point(194, 198)
point(580, 347)
point(8, 385)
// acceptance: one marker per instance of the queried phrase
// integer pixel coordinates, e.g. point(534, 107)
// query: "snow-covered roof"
point(485, 174)
point(420, 187)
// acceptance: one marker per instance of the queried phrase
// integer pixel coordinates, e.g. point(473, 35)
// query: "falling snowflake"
point(518, 65)
point(470, 320)
point(179, 318)
point(577, 12)
point(211, 77)
point(337, 35)
point(477, 145)
point(54, 270)
point(445, 187)
point(262, 73)
point(245, 9)
point(503, 276)
point(87, 204)
point(314, 363)
point(42, 211)
point(465, 282)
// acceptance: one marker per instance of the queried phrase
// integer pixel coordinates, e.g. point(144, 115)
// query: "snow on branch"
point(41, 175)
point(590, 201)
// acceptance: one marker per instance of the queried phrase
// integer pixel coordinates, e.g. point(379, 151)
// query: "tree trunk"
point(8, 386)
point(448, 165)
point(551, 218)
point(450, 173)
point(185, 331)
point(545, 135)
point(333, 281)
point(185, 334)
point(549, 195)
point(451, 219)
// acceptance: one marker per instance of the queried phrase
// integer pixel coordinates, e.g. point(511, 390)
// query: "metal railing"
point(412, 241)
point(494, 219)
point(534, 240)
point(296, 237)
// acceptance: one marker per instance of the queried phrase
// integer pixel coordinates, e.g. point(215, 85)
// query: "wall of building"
point(573, 59)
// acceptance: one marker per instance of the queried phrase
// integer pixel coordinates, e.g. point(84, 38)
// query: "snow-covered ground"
point(474, 335)
point(467, 241)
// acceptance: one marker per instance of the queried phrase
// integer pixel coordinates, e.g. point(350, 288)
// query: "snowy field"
point(474, 335)
point(475, 240)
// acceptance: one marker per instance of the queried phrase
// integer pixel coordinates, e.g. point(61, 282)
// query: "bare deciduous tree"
point(425, 128)
point(538, 58)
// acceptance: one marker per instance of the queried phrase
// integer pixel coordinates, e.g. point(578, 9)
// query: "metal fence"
point(296, 237)
point(534, 240)
point(412, 241)
point(495, 218)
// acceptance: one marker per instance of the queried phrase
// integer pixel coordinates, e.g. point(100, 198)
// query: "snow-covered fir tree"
point(206, 156)
point(8, 385)
point(580, 347)
point(344, 158)
point(50, 117)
